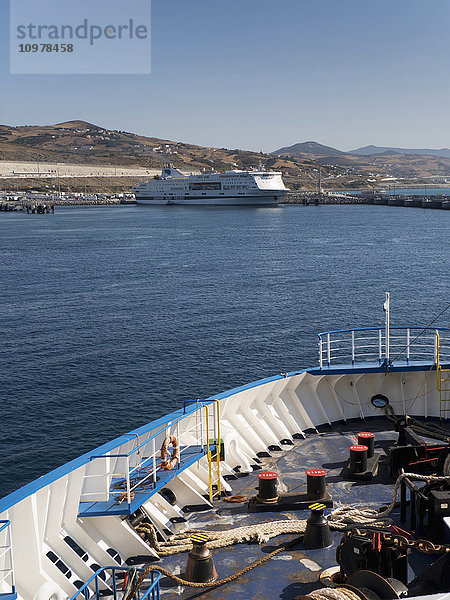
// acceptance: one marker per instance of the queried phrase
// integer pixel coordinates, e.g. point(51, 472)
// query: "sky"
point(262, 74)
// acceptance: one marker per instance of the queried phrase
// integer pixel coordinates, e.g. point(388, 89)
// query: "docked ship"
point(325, 483)
point(227, 188)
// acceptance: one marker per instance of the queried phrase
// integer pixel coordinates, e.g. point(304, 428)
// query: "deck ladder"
point(6, 562)
point(215, 441)
point(442, 384)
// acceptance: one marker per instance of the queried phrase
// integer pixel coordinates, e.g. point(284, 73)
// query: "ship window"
point(114, 554)
point(59, 564)
point(76, 548)
point(379, 401)
point(95, 567)
point(78, 584)
point(205, 186)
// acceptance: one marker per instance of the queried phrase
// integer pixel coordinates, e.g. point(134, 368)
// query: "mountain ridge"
point(316, 149)
point(80, 142)
point(376, 150)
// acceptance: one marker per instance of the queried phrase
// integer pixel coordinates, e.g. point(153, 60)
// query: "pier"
point(38, 208)
point(40, 203)
point(435, 202)
point(315, 198)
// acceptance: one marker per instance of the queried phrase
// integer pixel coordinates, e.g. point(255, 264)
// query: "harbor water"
point(391, 190)
point(115, 315)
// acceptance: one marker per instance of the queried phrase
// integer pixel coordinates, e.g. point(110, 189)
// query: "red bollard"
point(358, 459)
point(366, 438)
point(315, 484)
point(267, 485)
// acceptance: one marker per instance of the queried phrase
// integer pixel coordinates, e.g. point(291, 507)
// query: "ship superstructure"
point(228, 188)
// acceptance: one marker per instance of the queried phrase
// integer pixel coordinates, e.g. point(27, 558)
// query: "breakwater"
point(316, 198)
point(39, 208)
point(48, 205)
point(436, 202)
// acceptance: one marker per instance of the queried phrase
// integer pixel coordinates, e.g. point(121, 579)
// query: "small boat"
point(327, 482)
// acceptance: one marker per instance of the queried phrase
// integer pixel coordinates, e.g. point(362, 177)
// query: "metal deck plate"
point(296, 571)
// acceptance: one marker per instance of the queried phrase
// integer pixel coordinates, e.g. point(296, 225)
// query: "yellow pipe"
point(218, 447)
point(208, 453)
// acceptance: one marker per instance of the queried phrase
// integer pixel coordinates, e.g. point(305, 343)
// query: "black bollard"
point(315, 484)
point(317, 534)
point(200, 565)
point(366, 438)
point(358, 459)
point(267, 486)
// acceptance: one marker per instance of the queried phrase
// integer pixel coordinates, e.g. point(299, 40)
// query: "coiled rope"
point(340, 519)
point(446, 469)
point(131, 593)
point(339, 593)
point(332, 594)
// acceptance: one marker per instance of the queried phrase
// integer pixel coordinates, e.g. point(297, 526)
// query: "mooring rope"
point(331, 594)
point(339, 519)
point(446, 469)
point(210, 584)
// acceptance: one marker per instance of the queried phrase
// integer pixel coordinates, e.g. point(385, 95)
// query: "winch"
point(415, 454)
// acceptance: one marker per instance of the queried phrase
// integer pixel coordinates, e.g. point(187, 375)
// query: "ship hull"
point(256, 200)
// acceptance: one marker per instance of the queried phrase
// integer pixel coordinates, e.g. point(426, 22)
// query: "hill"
point(308, 148)
point(372, 150)
point(81, 143)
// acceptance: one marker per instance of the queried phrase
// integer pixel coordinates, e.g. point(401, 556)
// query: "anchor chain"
point(402, 543)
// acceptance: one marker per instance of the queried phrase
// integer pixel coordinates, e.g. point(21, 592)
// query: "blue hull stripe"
point(32, 487)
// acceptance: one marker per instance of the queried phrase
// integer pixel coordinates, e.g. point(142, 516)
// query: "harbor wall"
point(315, 198)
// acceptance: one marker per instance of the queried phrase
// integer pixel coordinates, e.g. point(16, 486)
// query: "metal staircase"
point(6, 563)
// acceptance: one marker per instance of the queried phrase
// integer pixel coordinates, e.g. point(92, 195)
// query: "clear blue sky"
point(261, 74)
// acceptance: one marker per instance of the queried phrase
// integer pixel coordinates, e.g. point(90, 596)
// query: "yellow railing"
point(442, 384)
point(217, 445)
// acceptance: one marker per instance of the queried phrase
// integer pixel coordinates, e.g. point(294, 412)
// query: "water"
point(423, 191)
point(113, 316)
point(400, 191)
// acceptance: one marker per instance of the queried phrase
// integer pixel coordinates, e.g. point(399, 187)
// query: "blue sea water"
point(113, 316)
point(423, 191)
point(393, 190)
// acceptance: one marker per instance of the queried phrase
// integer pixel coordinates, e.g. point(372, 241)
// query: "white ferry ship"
point(228, 188)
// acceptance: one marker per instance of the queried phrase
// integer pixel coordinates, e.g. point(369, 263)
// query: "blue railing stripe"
point(4, 525)
point(85, 590)
point(188, 408)
point(52, 476)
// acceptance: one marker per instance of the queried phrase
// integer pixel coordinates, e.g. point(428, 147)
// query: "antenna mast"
point(387, 310)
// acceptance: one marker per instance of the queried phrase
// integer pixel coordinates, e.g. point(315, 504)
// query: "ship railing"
point(7, 587)
point(368, 345)
point(96, 587)
point(124, 473)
